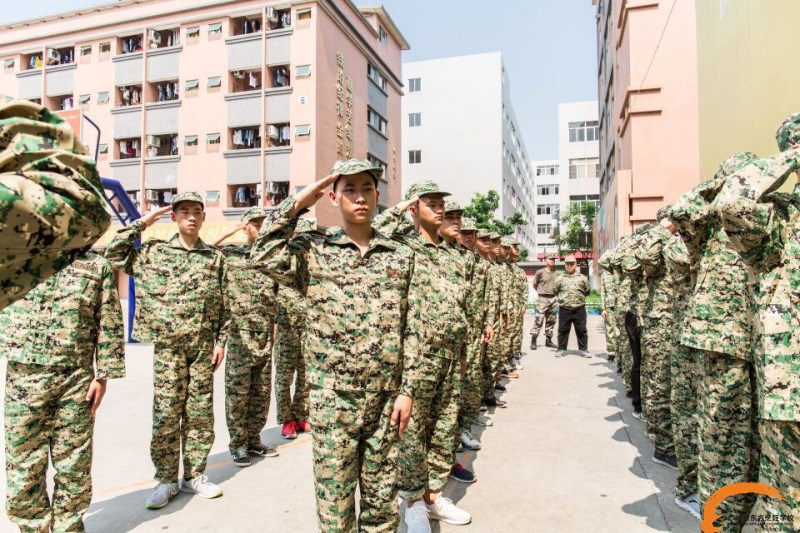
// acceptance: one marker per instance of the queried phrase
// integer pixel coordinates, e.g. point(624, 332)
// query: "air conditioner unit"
point(151, 195)
point(154, 37)
point(53, 55)
point(239, 74)
point(273, 132)
point(152, 140)
point(272, 14)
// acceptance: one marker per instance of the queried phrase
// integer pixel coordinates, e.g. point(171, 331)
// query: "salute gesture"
point(150, 218)
point(311, 194)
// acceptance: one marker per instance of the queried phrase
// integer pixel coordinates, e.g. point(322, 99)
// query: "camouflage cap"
point(788, 133)
point(551, 256)
point(734, 163)
point(468, 224)
point(451, 206)
point(189, 196)
point(495, 236)
point(483, 233)
point(505, 242)
point(423, 188)
point(305, 225)
point(570, 259)
point(662, 213)
point(513, 242)
point(605, 259)
point(348, 167)
point(253, 213)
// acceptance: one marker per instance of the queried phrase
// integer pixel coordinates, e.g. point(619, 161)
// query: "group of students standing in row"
point(702, 313)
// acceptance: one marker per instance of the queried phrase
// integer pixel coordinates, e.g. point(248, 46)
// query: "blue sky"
point(549, 48)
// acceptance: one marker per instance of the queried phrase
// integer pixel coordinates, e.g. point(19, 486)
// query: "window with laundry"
point(246, 24)
point(130, 44)
point(277, 192)
point(162, 145)
point(163, 38)
point(163, 91)
point(278, 134)
point(245, 80)
point(278, 19)
point(128, 95)
point(60, 56)
point(158, 198)
point(129, 148)
point(245, 195)
point(279, 76)
point(61, 101)
point(245, 138)
point(32, 61)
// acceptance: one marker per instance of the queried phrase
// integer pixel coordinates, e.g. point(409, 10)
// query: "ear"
point(203, 218)
point(377, 194)
point(172, 216)
point(332, 198)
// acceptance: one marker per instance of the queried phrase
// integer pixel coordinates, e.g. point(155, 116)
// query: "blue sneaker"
point(462, 475)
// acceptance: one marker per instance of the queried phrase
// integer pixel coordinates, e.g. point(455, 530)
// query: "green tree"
point(575, 229)
point(482, 209)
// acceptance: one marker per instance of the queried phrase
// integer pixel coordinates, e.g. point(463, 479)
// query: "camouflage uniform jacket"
point(571, 290)
point(52, 207)
point(181, 294)
point(73, 319)
point(650, 254)
point(496, 288)
point(251, 292)
point(608, 291)
point(765, 228)
point(676, 257)
point(480, 297)
point(519, 297)
point(719, 316)
point(625, 282)
point(440, 269)
point(363, 312)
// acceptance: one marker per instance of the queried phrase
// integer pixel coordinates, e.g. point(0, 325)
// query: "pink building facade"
point(245, 102)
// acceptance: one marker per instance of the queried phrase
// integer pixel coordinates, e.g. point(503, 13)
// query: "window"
point(547, 170)
point(374, 161)
point(162, 145)
point(191, 85)
point(546, 190)
point(414, 85)
point(193, 34)
point(376, 76)
point(245, 138)
point(102, 97)
point(103, 148)
point(212, 138)
point(547, 209)
point(584, 168)
point(190, 140)
point(105, 48)
point(376, 121)
point(580, 200)
point(214, 81)
point(544, 229)
point(215, 29)
point(301, 71)
point(414, 120)
point(60, 56)
point(304, 14)
point(86, 50)
point(84, 99)
point(8, 65)
point(129, 95)
point(212, 198)
point(278, 134)
point(414, 157)
point(245, 80)
point(247, 25)
point(583, 131)
point(279, 75)
point(278, 18)
point(164, 91)
point(302, 130)
point(131, 44)
point(382, 36)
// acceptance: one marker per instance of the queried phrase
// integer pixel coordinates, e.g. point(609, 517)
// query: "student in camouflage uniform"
point(485, 249)
point(427, 455)
point(720, 322)
point(292, 411)
point(248, 366)
point(547, 312)
point(608, 296)
point(624, 354)
point(764, 226)
point(181, 296)
point(356, 281)
point(571, 290)
point(63, 340)
point(521, 293)
point(52, 207)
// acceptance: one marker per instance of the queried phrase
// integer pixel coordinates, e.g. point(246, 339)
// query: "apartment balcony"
point(30, 84)
point(60, 79)
point(244, 51)
point(128, 69)
point(164, 64)
point(127, 122)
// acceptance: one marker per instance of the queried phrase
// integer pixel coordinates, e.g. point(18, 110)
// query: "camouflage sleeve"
point(750, 222)
point(225, 322)
point(603, 292)
point(492, 298)
point(278, 250)
point(412, 352)
point(557, 285)
point(52, 207)
point(393, 222)
point(110, 356)
point(586, 287)
point(692, 214)
point(121, 252)
point(649, 253)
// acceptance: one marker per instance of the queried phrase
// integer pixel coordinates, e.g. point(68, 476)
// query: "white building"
point(459, 129)
point(573, 177)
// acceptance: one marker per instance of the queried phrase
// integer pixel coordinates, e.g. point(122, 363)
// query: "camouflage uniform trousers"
point(780, 468)
point(288, 360)
point(612, 332)
point(492, 363)
point(728, 438)
point(471, 389)
point(657, 344)
point(624, 355)
point(547, 307)
point(684, 376)
point(354, 444)
point(248, 383)
point(46, 413)
point(427, 452)
point(183, 415)
point(518, 333)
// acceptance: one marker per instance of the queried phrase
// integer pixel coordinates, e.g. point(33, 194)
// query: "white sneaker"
point(690, 503)
point(416, 518)
point(445, 510)
point(162, 494)
point(469, 442)
point(202, 487)
point(484, 421)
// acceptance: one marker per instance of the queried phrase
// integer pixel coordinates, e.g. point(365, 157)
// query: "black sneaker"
point(262, 450)
point(548, 343)
point(240, 458)
point(669, 461)
point(611, 357)
point(629, 394)
point(494, 402)
point(533, 343)
point(499, 387)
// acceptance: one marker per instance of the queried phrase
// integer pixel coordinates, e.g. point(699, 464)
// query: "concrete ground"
point(565, 456)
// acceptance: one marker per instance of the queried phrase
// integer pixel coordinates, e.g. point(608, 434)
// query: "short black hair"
point(371, 175)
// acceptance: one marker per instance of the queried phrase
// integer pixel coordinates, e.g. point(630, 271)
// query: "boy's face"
point(514, 251)
point(497, 249)
point(505, 251)
point(570, 267)
point(189, 216)
point(251, 229)
point(483, 245)
point(451, 226)
point(468, 238)
point(356, 197)
point(429, 210)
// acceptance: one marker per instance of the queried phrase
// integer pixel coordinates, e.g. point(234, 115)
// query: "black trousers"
point(568, 317)
point(632, 329)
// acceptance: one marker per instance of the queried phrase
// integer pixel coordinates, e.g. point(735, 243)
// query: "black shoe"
point(619, 370)
point(494, 402)
point(629, 394)
point(666, 460)
point(533, 343)
point(548, 343)
point(240, 458)
point(611, 358)
point(499, 387)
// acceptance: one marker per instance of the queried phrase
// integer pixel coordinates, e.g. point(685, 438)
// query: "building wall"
point(466, 119)
point(747, 84)
point(327, 28)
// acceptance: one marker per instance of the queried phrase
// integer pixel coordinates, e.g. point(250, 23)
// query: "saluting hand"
point(311, 194)
point(150, 218)
point(405, 204)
